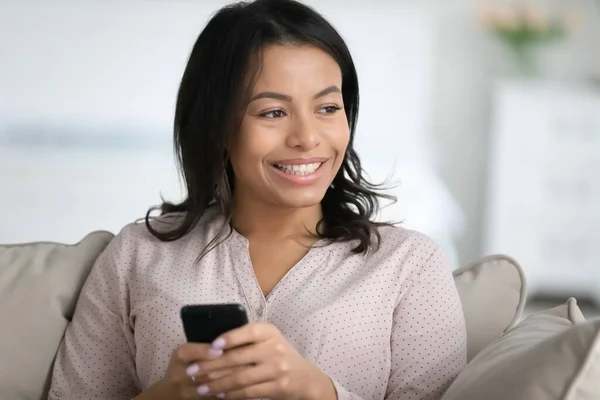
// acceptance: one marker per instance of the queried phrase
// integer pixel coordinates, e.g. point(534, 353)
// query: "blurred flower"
point(535, 18)
point(488, 17)
point(521, 24)
point(525, 17)
point(508, 19)
point(572, 19)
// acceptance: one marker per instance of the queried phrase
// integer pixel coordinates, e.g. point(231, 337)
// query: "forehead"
point(293, 67)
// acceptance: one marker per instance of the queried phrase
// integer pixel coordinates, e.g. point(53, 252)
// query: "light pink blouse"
point(386, 325)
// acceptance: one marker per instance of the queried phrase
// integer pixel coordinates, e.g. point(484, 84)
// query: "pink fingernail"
point(221, 395)
point(203, 389)
point(219, 343)
point(192, 370)
point(215, 352)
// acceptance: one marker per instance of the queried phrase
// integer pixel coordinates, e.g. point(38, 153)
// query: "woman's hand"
point(258, 362)
point(181, 380)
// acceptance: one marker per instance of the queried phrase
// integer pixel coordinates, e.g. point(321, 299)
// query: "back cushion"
point(39, 286)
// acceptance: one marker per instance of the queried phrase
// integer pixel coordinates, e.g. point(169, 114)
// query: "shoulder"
point(402, 242)
point(137, 236)
point(136, 233)
point(408, 252)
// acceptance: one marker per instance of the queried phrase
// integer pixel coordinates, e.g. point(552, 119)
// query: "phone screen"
point(203, 323)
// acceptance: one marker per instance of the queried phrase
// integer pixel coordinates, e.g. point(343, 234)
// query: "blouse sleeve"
point(96, 357)
point(429, 338)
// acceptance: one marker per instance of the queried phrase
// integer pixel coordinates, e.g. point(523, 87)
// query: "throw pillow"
point(550, 355)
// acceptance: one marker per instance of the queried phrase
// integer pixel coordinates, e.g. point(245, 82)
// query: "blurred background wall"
point(483, 136)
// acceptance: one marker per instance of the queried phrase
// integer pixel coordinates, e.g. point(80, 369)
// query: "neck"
point(262, 221)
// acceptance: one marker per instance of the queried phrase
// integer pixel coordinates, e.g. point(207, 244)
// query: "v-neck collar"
point(239, 247)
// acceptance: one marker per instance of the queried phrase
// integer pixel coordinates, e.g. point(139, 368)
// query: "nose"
point(304, 134)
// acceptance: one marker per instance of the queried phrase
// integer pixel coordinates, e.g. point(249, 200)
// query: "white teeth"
point(302, 169)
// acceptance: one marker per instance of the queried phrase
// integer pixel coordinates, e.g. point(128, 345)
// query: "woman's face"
point(294, 133)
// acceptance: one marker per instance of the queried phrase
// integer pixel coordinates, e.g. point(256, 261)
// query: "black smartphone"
point(203, 323)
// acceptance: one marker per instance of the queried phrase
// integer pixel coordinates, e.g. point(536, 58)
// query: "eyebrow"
point(285, 97)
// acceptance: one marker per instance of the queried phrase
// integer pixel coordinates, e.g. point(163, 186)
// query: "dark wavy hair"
point(222, 68)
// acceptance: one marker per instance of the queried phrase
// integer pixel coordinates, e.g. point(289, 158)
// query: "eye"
point(329, 109)
point(273, 114)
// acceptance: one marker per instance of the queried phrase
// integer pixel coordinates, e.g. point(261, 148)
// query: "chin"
point(301, 201)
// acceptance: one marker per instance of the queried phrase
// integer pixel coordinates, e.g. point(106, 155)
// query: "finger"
point(239, 357)
point(213, 376)
point(191, 352)
point(198, 380)
point(247, 334)
point(268, 389)
point(247, 377)
point(190, 392)
point(184, 362)
point(188, 389)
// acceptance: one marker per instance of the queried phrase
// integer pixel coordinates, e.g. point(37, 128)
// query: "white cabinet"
point(543, 198)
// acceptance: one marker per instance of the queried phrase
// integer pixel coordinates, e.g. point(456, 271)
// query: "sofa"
point(552, 354)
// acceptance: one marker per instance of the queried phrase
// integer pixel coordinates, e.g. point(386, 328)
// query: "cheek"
point(250, 147)
point(342, 140)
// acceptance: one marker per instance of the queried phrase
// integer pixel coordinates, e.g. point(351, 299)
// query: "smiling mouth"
point(298, 169)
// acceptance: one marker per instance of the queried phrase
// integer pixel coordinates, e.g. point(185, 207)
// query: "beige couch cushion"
point(550, 355)
point(39, 286)
point(493, 294)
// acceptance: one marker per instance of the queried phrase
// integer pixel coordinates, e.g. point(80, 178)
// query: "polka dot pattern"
point(385, 325)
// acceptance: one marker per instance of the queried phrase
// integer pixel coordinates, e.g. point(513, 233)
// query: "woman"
point(278, 217)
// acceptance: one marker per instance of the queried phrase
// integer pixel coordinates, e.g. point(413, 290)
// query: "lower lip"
point(300, 179)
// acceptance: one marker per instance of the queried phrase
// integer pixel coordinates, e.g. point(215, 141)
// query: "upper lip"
point(300, 161)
